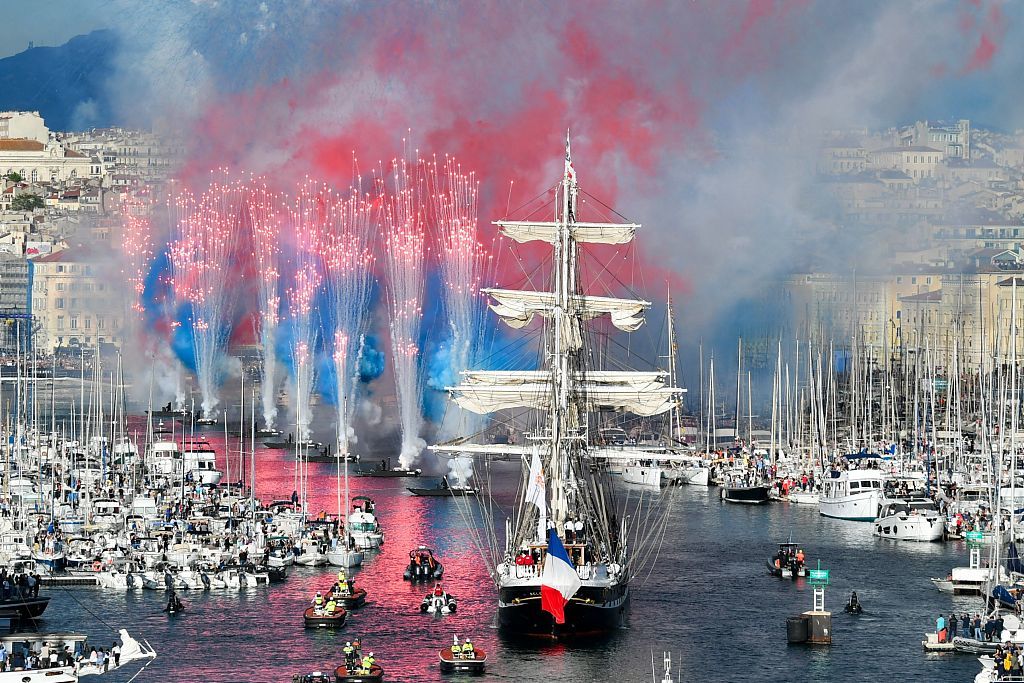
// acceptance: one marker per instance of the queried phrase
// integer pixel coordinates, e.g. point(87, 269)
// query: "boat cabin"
point(853, 482)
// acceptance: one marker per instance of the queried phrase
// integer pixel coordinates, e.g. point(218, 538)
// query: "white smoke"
point(460, 470)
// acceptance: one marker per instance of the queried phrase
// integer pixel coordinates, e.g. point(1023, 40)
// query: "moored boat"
point(852, 495)
point(750, 495)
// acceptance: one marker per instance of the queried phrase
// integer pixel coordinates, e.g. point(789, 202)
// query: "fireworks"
point(347, 265)
point(307, 219)
point(405, 242)
point(265, 215)
point(452, 205)
point(201, 260)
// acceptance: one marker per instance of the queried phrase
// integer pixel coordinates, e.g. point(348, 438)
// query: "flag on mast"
point(536, 493)
point(559, 580)
point(570, 172)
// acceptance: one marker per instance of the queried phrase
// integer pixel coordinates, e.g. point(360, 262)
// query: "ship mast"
point(564, 291)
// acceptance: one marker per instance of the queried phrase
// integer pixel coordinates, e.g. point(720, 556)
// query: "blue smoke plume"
point(155, 289)
point(371, 365)
point(183, 341)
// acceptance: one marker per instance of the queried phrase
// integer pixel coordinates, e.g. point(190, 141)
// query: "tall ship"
point(569, 533)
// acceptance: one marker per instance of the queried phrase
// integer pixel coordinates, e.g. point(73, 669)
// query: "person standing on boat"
point(940, 628)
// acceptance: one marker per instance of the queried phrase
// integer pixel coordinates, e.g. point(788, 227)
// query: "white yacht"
point(643, 472)
point(362, 525)
point(912, 519)
point(165, 459)
point(854, 495)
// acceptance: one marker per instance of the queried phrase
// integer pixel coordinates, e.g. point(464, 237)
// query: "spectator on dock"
point(951, 627)
point(940, 628)
point(977, 627)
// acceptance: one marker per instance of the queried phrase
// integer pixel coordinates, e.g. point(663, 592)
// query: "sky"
point(50, 22)
point(699, 119)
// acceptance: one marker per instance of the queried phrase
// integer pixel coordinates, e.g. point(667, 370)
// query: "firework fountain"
point(265, 213)
point(453, 209)
point(347, 265)
point(201, 258)
point(310, 214)
point(405, 243)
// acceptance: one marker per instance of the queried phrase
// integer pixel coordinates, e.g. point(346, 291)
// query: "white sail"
point(517, 307)
point(483, 449)
point(642, 399)
point(605, 377)
point(546, 231)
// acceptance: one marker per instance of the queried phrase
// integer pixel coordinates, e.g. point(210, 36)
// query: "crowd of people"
point(1008, 661)
point(988, 630)
point(24, 658)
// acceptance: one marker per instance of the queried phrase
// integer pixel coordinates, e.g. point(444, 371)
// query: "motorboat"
point(438, 602)
point(72, 656)
point(384, 471)
point(787, 563)
point(314, 677)
point(453, 659)
point(445, 490)
point(363, 527)
point(350, 599)
point(320, 618)
point(423, 566)
point(804, 498)
point(174, 605)
point(853, 495)
point(358, 675)
point(912, 519)
point(739, 492)
point(969, 580)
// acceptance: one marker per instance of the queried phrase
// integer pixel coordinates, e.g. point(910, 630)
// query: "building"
point(23, 125)
point(919, 163)
point(15, 302)
point(952, 139)
point(74, 304)
point(37, 161)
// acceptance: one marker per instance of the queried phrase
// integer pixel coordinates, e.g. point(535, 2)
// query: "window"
point(899, 280)
point(100, 322)
point(60, 322)
point(913, 280)
point(88, 323)
point(74, 323)
point(60, 286)
point(60, 302)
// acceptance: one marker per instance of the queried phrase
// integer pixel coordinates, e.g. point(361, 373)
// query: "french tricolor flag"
point(559, 582)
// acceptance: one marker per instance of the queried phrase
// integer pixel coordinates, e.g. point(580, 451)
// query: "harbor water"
point(708, 599)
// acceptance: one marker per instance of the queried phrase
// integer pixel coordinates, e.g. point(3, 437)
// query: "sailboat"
point(568, 493)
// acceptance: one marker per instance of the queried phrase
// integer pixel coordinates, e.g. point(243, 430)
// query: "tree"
point(14, 177)
point(27, 202)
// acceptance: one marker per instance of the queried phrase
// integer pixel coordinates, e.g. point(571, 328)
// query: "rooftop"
point(20, 145)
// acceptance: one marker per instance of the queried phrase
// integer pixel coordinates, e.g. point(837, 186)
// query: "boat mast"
point(564, 290)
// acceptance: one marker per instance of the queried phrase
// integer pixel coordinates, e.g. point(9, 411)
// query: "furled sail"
point(517, 307)
point(546, 231)
point(641, 396)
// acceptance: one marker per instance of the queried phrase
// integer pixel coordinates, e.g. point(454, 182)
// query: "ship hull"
point(592, 611)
